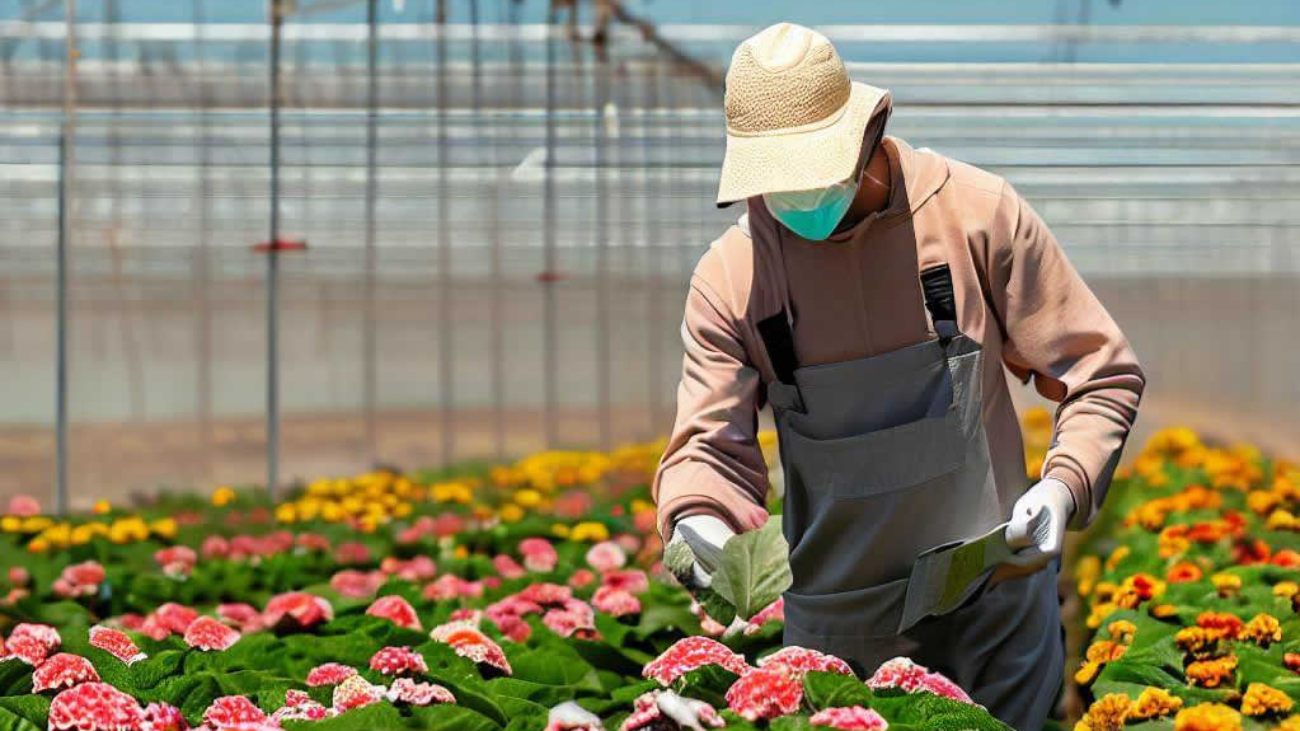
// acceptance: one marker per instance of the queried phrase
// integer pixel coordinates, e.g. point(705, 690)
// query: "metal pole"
point(369, 350)
point(548, 243)
point(446, 362)
point(603, 347)
point(273, 267)
point(204, 294)
point(66, 181)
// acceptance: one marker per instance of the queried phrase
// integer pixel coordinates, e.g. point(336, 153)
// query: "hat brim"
point(789, 161)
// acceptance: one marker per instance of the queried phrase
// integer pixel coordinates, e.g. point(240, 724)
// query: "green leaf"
point(834, 690)
point(367, 718)
point(24, 713)
point(708, 683)
point(452, 718)
point(755, 569)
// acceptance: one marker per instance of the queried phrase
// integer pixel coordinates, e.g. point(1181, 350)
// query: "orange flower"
point(1106, 714)
point(1211, 673)
point(1292, 661)
point(1207, 717)
point(1286, 558)
point(1263, 700)
point(1263, 630)
point(1154, 703)
point(1229, 624)
point(1184, 572)
point(1198, 641)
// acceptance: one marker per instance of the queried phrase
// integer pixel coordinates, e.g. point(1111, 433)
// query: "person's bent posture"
point(871, 294)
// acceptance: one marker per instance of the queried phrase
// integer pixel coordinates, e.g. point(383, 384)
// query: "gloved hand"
point(705, 535)
point(1038, 523)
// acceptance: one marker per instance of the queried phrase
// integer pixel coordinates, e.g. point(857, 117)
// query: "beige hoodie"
point(859, 295)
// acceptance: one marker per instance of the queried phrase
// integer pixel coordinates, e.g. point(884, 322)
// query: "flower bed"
point(522, 597)
point(1190, 588)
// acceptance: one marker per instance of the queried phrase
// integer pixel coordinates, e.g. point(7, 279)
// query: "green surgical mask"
point(813, 214)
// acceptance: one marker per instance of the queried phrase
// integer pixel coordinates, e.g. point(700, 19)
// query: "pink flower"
point(690, 653)
point(774, 612)
point(465, 614)
point(397, 610)
point(47, 636)
point(616, 602)
point(174, 617)
point(546, 594)
point(398, 661)
point(356, 692)
point(352, 553)
point(164, 717)
point(575, 621)
point(206, 633)
point(708, 625)
point(116, 643)
point(232, 710)
point(448, 524)
point(851, 718)
point(405, 690)
point(539, 555)
point(420, 568)
point(633, 580)
point(573, 504)
point(801, 660)
point(94, 707)
point(312, 542)
point(507, 567)
point(176, 560)
point(63, 670)
point(243, 616)
point(648, 712)
point(766, 693)
point(298, 706)
point(469, 642)
point(901, 672)
point(27, 649)
point(628, 542)
point(330, 673)
point(215, 546)
point(356, 584)
point(581, 579)
point(296, 610)
point(82, 579)
point(18, 576)
point(606, 556)
point(451, 586)
point(23, 506)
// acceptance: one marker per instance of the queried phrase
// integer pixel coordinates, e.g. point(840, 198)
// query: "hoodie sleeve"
point(713, 463)
point(1056, 329)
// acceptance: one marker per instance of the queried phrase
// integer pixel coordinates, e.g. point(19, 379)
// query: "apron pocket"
point(877, 462)
point(874, 611)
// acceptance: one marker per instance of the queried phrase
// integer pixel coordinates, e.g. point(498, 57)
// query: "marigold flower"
point(1087, 672)
point(1122, 630)
point(397, 610)
point(1263, 700)
point(94, 707)
point(1086, 572)
point(116, 643)
point(1226, 623)
point(63, 670)
point(1207, 717)
point(690, 653)
point(1286, 589)
point(1107, 713)
point(398, 661)
point(851, 718)
point(1263, 630)
point(1154, 703)
point(1211, 673)
point(1183, 572)
point(1286, 558)
point(1116, 557)
point(765, 693)
point(1105, 651)
point(206, 633)
point(1281, 520)
point(1199, 641)
point(1292, 661)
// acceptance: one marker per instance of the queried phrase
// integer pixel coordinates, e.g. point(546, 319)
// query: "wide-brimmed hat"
point(794, 119)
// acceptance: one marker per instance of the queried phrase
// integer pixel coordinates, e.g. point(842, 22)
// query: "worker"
point(871, 294)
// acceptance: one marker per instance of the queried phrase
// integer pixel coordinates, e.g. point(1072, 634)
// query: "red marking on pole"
point(279, 245)
point(549, 277)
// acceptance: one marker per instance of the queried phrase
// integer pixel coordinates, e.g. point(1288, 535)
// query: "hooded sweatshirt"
point(858, 294)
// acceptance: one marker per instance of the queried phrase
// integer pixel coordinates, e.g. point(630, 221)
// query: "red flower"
point(233, 710)
point(405, 690)
point(1292, 661)
point(465, 614)
point(690, 653)
point(539, 555)
point(352, 553)
point(633, 580)
point(451, 586)
point(116, 643)
point(649, 710)
point(581, 578)
point(546, 594)
point(851, 718)
point(164, 717)
point(94, 707)
point(27, 649)
point(1228, 624)
point(615, 602)
point(396, 610)
point(1286, 558)
point(356, 692)
point(215, 546)
point(43, 634)
point(82, 579)
point(174, 617)
point(606, 556)
point(176, 560)
point(398, 661)
point(469, 642)
point(1183, 573)
point(63, 670)
point(508, 567)
point(801, 660)
point(245, 617)
point(357, 584)
point(298, 706)
point(296, 610)
point(18, 576)
point(330, 673)
point(312, 542)
point(766, 693)
point(1250, 553)
point(906, 675)
point(420, 568)
point(774, 612)
point(206, 633)
point(940, 685)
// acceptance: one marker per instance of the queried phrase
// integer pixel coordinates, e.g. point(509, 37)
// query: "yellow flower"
point(511, 513)
point(1119, 554)
point(11, 524)
point(38, 545)
point(1122, 630)
point(1211, 673)
point(164, 528)
point(1108, 713)
point(1087, 571)
point(1263, 629)
point(1261, 700)
point(36, 524)
point(1207, 717)
point(1154, 703)
point(1162, 611)
point(1280, 520)
point(589, 531)
point(1227, 584)
point(461, 552)
point(101, 507)
point(1262, 502)
point(83, 534)
point(402, 510)
point(223, 496)
point(1286, 589)
point(1100, 611)
point(528, 498)
point(1087, 672)
point(1198, 641)
point(286, 513)
point(560, 530)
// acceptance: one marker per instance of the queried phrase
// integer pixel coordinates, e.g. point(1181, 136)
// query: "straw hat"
point(794, 120)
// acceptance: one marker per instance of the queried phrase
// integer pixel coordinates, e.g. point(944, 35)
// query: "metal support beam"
point(370, 350)
point(278, 9)
point(67, 179)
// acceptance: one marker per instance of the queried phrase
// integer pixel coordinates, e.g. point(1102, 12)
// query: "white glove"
point(708, 534)
point(1038, 523)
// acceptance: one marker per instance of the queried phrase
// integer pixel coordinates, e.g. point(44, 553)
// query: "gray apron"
point(886, 457)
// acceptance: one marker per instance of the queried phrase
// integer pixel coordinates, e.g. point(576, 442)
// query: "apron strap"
point(936, 285)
